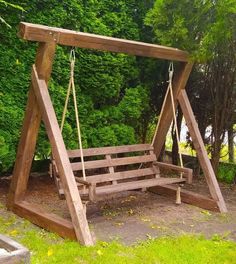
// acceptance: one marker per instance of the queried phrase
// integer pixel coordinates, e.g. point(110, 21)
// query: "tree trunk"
point(216, 149)
point(231, 144)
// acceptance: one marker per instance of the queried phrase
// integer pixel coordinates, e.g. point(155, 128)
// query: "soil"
point(133, 216)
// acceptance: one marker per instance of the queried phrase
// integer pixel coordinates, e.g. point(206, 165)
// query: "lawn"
point(49, 248)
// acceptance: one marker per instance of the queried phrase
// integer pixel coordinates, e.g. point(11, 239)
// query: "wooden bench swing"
point(108, 169)
point(116, 177)
point(123, 168)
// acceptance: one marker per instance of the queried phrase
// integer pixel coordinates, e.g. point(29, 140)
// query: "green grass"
point(49, 248)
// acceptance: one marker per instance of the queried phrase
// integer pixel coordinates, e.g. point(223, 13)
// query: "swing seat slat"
point(138, 184)
point(122, 175)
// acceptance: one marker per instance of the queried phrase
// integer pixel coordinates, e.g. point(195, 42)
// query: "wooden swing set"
point(108, 169)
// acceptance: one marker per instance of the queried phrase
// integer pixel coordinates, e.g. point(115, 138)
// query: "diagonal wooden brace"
point(62, 160)
point(201, 151)
point(164, 122)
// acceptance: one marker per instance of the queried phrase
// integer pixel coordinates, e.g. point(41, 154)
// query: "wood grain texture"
point(16, 252)
point(121, 175)
point(188, 173)
point(187, 197)
point(48, 221)
point(62, 161)
point(66, 37)
point(75, 153)
point(201, 151)
point(29, 132)
point(95, 164)
point(139, 184)
point(111, 169)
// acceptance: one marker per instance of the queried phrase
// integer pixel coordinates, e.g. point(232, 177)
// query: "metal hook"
point(171, 70)
point(72, 55)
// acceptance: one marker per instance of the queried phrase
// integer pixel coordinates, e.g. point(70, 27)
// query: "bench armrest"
point(79, 180)
point(188, 173)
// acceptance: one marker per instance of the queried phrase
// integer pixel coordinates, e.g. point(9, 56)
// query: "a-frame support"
point(164, 123)
point(39, 107)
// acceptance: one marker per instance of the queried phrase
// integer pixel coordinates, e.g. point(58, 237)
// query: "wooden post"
point(110, 168)
point(29, 132)
point(164, 122)
point(201, 151)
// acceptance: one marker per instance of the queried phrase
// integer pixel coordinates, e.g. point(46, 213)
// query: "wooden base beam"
point(187, 197)
point(48, 221)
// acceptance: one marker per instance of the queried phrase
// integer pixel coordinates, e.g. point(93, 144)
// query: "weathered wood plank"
point(111, 168)
point(16, 253)
point(95, 164)
point(62, 161)
point(180, 79)
point(187, 197)
point(201, 151)
point(48, 221)
point(155, 168)
point(109, 150)
point(108, 177)
point(127, 186)
point(30, 128)
point(42, 33)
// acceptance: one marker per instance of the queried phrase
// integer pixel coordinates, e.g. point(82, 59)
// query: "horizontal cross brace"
point(66, 37)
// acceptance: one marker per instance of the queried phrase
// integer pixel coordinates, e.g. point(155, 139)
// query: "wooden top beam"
point(66, 37)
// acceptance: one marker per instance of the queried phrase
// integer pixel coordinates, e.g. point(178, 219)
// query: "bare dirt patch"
point(133, 216)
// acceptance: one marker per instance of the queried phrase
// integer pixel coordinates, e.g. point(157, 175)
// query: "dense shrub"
point(227, 172)
point(111, 100)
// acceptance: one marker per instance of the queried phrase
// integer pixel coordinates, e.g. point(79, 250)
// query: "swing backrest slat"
point(109, 150)
point(104, 163)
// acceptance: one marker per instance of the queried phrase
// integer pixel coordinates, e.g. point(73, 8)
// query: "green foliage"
point(227, 172)
point(7, 4)
point(112, 135)
point(133, 102)
point(111, 102)
point(197, 26)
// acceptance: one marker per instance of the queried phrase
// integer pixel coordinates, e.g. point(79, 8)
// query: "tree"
point(207, 30)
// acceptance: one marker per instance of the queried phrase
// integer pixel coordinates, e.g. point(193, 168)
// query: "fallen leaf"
point(146, 219)
point(99, 252)
point(119, 224)
point(13, 232)
point(205, 212)
point(50, 252)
